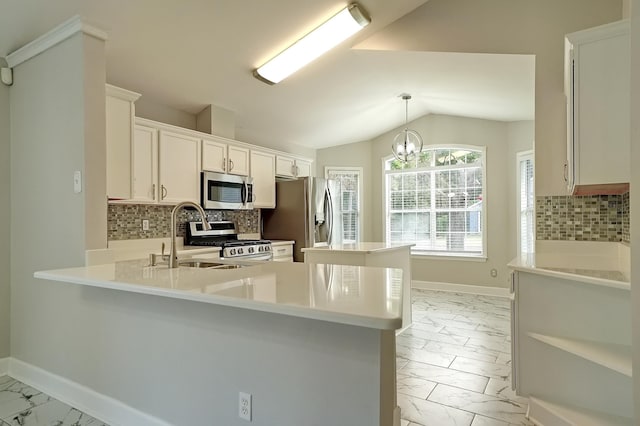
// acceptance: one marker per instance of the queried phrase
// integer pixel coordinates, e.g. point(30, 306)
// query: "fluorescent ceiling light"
point(341, 26)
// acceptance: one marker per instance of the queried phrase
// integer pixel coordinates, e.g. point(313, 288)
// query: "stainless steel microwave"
point(222, 191)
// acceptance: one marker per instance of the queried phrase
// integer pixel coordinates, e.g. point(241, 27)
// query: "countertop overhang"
point(344, 294)
point(364, 247)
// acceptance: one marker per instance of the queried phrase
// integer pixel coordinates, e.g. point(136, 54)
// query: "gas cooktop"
point(223, 234)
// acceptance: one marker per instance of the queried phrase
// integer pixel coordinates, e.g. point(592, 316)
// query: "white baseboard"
point(461, 288)
point(102, 407)
point(4, 366)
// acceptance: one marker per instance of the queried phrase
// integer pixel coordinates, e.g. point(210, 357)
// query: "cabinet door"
point(145, 164)
point(214, 156)
point(264, 179)
point(303, 168)
point(118, 132)
point(238, 163)
point(285, 166)
point(179, 168)
point(597, 87)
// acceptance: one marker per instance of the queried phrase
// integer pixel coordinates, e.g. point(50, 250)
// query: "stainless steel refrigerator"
point(304, 213)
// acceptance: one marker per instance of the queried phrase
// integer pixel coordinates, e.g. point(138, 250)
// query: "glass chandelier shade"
point(408, 143)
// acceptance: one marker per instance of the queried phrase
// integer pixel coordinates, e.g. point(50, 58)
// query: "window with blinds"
point(526, 200)
point(345, 186)
point(436, 201)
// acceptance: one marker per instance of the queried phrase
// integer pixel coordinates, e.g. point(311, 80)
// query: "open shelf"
point(612, 356)
point(543, 412)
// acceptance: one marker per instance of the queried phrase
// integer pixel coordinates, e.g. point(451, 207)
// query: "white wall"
point(635, 199)
point(508, 26)
point(5, 222)
point(520, 135)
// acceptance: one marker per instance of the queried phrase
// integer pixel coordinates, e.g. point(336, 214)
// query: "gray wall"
point(57, 127)
point(5, 222)
point(508, 26)
point(440, 129)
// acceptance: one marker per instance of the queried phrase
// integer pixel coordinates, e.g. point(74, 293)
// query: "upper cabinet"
point(290, 167)
point(166, 165)
point(263, 172)
point(179, 167)
point(120, 112)
point(222, 157)
point(597, 85)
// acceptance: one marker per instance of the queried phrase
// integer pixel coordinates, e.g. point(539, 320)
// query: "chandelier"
point(408, 142)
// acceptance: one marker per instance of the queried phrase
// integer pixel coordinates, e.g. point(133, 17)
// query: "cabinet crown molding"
point(120, 93)
point(48, 40)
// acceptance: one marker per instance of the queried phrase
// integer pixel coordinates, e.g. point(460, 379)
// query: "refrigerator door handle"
point(329, 219)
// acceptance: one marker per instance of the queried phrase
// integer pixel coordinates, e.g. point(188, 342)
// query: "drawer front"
point(282, 251)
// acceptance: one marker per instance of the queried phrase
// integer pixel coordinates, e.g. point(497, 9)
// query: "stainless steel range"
point(223, 234)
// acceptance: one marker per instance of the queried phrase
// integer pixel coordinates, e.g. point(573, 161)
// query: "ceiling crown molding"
point(46, 41)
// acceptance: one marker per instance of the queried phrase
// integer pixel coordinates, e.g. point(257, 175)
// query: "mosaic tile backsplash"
point(583, 218)
point(124, 221)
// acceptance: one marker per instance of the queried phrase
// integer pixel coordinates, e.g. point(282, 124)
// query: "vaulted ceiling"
point(189, 54)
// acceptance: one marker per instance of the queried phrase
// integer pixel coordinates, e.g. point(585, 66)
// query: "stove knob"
point(251, 249)
point(232, 252)
point(260, 249)
point(240, 251)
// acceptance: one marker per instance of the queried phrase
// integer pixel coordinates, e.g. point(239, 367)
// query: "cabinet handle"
point(164, 192)
point(153, 192)
point(293, 169)
point(566, 172)
point(230, 164)
point(281, 250)
point(224, 164)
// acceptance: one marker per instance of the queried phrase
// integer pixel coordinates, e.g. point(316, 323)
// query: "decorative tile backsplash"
point(124, 221)
point(583, 218)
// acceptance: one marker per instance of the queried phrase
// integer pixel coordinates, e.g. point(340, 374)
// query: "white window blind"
point(346, 190)
point(526, 199)
point(436, 201)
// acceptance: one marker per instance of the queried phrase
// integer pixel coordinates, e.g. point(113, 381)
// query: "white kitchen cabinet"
point(145, 164)
point(303, 168)
point(291, 167)
point(282, 251)
point(120, 111)
point(263, 172)
point(571, 347)
point(179, 167)
point(219, 156)
point(597, 87)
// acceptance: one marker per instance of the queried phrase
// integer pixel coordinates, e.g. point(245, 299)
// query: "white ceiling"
point(191, 53)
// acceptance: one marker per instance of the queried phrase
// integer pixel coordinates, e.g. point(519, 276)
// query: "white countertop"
point(543, 265)
point(364, 247)
point(281, 242)
point(336, 293)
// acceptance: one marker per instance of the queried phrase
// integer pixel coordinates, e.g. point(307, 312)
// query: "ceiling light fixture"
point(408, 142)
point(341, 26)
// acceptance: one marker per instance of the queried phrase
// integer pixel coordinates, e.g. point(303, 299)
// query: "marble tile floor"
point(454, 368)
point(22, 405)
point(454, 363)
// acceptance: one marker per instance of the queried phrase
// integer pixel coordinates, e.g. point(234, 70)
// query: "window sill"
point(448, 256)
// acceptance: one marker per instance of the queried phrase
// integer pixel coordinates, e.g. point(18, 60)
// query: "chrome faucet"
point(173, 256)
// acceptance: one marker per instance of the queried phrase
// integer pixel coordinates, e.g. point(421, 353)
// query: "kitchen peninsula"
point(379, 254)
point(283, 332)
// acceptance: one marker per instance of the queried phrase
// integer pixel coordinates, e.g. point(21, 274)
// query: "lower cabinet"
point(263, 172)
point(282, 252)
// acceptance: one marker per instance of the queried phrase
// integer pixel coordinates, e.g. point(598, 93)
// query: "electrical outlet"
point(244, 406)
point(145, 224)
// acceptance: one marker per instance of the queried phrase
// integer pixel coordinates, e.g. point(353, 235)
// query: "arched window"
point(437, 200)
